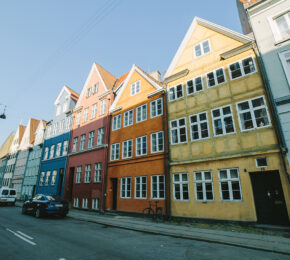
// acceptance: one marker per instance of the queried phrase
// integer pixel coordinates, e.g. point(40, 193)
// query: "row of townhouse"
point(202, 142)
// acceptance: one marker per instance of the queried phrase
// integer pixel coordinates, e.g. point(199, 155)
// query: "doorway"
point(114, 193)
point(60, 182)
point(269, 198)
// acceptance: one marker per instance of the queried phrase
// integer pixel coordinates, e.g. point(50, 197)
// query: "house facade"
point(137, 163)
point(4, 152)
point(269, 21)
point(87, 161)
point(51, 177)
point(24, 149)
point(225, 161)
point(33, 163)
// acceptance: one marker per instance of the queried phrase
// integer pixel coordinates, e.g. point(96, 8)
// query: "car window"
point(5, 192)
point(50, 198)
point(12, 192)
point(37, 197)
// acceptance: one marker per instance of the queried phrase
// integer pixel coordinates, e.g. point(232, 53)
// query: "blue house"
point(56, 144)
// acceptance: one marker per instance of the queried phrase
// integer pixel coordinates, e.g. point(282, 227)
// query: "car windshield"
point(12, 192)
point(5, 192)
point(50, 198)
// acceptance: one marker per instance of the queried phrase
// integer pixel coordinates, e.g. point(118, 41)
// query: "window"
point(89, 92)
point(128, 118)
point(98, 172)
point(141, 187)
point(95, 88)
point(215, 77)
point(194, 85)
point(141, 113)
point(94, 111)
point(56, 128)
point(65, 106)
point(127, 149)
point(135, 88)
point(156, 107)
point(103, 107)
point(53, 177)
point(79, 174)
point(242, 68)
point(115, 151)
point(61, 125)
point(58, 109)
point(230, 184)
point(280, 25)
point(65, 148)
point(201, 49)
point(199, 126)
point(82, 143)
point(203, 186)
point(91, 139)
point(157, 142)
point(45, 153)
point(175, 92)
point(51, 154)
point(58, 149)
point(78, 118)
point(116, 122)
point(75, 144)
point(95, 203)
point(101, 132)
point(86, 112)
point(222, 119)
point(180, 186)
point(41, 180)
point(126, 187)
point(68, 122)
point(157, 187)
point(47, 178)
point(85, 203)
point(253, 114)
point(261, 162)
point(76, 202)
point(285, 59)
point(178, 131)
point(88, 173)
point(141, 145)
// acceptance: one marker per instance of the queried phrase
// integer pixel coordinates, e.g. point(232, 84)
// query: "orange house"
point(137, 163)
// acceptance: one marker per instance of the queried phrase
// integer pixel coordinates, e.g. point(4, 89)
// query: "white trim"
point(113, 157)
point(178, 137)
point(153, 101)
point(242, 68)
point(180, 182)
point(286, 67)
point(157, 185)
point(64, 88)
point(198, 123)
point(215, 78)
point(141, 146)
point(140, 186)
point(194, 85)
point(157, 144)
point(203, 181)
point(256, 160)
point(201, 49)
point(175, 92)
point(141, 106)
point(126, 186)
point(127, 141)
point(127, 111)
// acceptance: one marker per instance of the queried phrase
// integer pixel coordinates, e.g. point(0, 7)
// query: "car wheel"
point(23, 211)
point(63, 215)
point(37, 213)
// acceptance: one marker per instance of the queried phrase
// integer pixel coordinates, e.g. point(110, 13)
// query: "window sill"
point(276, 43)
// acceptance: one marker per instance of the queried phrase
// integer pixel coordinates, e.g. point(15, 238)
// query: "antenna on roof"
point(3, 115)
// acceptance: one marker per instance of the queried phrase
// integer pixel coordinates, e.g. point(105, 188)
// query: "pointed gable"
point(123, 90)
point(201, 30)
point(69, 91)
point(5, 147)
point(39, 132)
point(17, 138)
point(29, 134)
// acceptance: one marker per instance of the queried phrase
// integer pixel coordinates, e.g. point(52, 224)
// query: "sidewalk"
point(270, 243)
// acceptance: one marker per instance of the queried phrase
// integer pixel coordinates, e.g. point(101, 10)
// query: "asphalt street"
point(26, 237)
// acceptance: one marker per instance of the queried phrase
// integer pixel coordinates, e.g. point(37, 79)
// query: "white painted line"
point(23, 238)
point(24, 235)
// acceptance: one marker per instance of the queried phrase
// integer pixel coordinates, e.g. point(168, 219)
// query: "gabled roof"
point(249, 2)
point(74, 95)
point(30, 133)
point(5, 147)
point(120, 80)
point(156, 84)
point(106, 77)
point(21, 129)
point(220, 29)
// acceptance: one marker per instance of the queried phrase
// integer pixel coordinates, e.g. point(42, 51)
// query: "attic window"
point(135, 88)
point(261, 162)
point(201, 48)
point(96, 88)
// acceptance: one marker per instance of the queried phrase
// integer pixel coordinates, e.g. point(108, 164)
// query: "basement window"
point(261, 162)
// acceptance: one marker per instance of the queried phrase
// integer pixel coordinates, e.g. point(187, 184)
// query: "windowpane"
point(248, 65)
point(206, 48)
point(235, 70)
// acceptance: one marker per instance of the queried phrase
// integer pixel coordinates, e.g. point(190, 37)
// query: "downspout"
point(273, 108)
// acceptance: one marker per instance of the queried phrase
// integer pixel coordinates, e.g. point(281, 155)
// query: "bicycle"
point(151, 213)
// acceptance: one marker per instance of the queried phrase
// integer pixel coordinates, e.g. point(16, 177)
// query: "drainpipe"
point(273, 108)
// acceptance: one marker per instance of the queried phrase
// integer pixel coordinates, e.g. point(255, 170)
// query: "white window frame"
point(126, 183)
point(46, 153)
point(139, 142)
point(198, 123)
point(41, 179)
point(180, 182)
point(203, 182)
point(101, 135)
point(215, 77)
point(53, 177)
point(177, 128)
point(222, 118)
point(174, 89)
point(88, 169)
point(103, 106)
point(154, 111)
point(286, 66)
point(82, 142)
point(98, 172)
point(95, 203)
point(157, 142)
point(47, 178)
point(58, 149)
point(135, 88)
point(91, 139)
point(78, 118)
point(242, 68)
point(86, 115)
point(116, 122)
point(51, 152)
point(140, 187)
point(115, 150)
point(194, 85)
point(94, 111)
point(65, 148)
point(78, 174)
point(125, 149)
point(75, 144)
point(229, 181)
point(158, 184)
point(251, 110)
point(76, 202)
point(85, 203)
point(128, 118)
point(201, 49)
point(140, 110)
point(275, 29)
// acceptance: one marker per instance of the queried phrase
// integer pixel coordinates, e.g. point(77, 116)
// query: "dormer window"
point(201, 49)
point(65, 105)
point(135, 88)
point(95, 88)
point(58, 109)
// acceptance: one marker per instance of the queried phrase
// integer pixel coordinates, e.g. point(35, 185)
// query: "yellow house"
point(225, 162)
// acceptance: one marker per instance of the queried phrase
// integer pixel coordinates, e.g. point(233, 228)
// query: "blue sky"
point(48, 44)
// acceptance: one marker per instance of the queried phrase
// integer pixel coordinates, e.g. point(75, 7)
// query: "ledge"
point(98, 147)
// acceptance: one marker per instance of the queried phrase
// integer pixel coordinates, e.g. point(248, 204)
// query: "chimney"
point(156, 75)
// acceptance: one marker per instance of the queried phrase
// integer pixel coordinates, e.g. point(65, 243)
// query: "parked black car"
point(42, 205)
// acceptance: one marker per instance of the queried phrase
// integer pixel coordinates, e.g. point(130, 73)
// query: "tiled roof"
point(74, 94)
point(107, 77)
point(153, 79)
point(5, 147)
point(33, 126)
point(249, 2)
point(120, 80)
point(21, 132)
